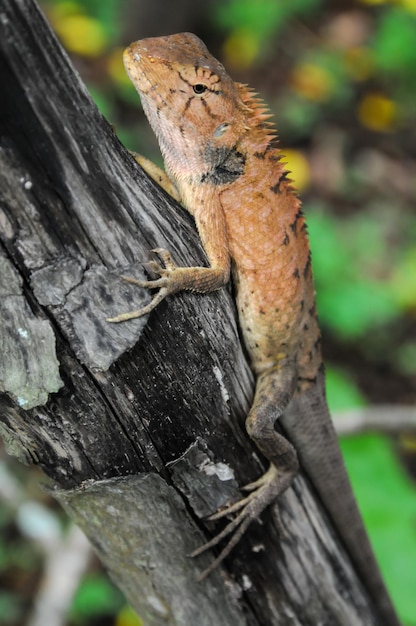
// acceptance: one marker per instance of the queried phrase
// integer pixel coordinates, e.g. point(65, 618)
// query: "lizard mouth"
point(134, 61)
point(140, 67)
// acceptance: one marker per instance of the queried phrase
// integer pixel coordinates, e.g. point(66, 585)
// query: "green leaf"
point(96, 596)
point(263, 17)
point(342, 392)
point(349, 260)
point(388, 505)
point(394, 42)
point(10, 608)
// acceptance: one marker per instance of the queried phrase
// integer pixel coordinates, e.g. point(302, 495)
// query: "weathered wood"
point(139, 425)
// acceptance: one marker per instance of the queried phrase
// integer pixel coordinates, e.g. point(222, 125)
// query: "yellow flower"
point(359, 63)
point(377, 112)
point(299, 168)
point(375, 1)
point(406, 4)
point(241, 49)
point(116, 67)
point(79, 33)
point(312, 82)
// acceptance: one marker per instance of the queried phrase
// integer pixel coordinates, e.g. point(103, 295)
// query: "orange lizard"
point(222, 163)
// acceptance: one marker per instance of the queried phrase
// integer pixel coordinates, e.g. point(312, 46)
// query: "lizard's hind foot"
point(263, 492)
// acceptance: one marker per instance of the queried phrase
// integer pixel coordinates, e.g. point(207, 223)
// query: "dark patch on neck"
point(228, 165)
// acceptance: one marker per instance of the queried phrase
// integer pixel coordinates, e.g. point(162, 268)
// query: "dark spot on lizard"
point(187, 105)
point(228, 165)
point(296, 273)
point(306, 327)
point(272, 148)
point(294, 224)
point(307, 380)
point(275, 156)
point(286, 239)
point(307, 266)
point(276, 188)
point(269, 151)
point(207, 108)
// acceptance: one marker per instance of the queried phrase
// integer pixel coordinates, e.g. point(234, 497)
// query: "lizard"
point(222, 163)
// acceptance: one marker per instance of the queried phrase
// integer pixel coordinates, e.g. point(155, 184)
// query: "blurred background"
point(340, 79)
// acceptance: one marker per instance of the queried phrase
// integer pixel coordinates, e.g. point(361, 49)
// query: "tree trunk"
point(140, 426)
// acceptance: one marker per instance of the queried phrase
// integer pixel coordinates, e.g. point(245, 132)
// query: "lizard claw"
point(166, 258)
point(263, 492)
point(165, 284)
point(164, 270)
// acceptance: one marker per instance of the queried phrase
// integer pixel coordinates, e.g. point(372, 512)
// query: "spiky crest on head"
point(262, 129)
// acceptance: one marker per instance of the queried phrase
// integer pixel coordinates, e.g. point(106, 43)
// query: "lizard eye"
point(199, 88)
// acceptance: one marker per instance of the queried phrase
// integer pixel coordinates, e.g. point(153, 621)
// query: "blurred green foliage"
point(96, 597)
point(388, 529)
point(342, 390)
point(340, 79)
point(394, 53)
point(355, 289)
point(264, 18)
point(252, 25)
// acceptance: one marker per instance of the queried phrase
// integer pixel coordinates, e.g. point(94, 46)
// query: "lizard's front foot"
point(173, 279)
point(167, 284)
point(263, 492)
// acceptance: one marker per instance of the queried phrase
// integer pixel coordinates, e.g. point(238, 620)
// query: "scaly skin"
point(220, 155)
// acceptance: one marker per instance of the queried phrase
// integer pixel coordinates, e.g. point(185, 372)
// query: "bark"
point(140, 426)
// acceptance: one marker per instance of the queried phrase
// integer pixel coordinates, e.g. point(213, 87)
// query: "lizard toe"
point(267, 489)
point(166, 257)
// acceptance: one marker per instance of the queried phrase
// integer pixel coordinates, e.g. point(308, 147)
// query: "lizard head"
point(195, 109)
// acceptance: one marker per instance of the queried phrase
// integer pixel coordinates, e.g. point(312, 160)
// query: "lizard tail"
point(303, 421)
